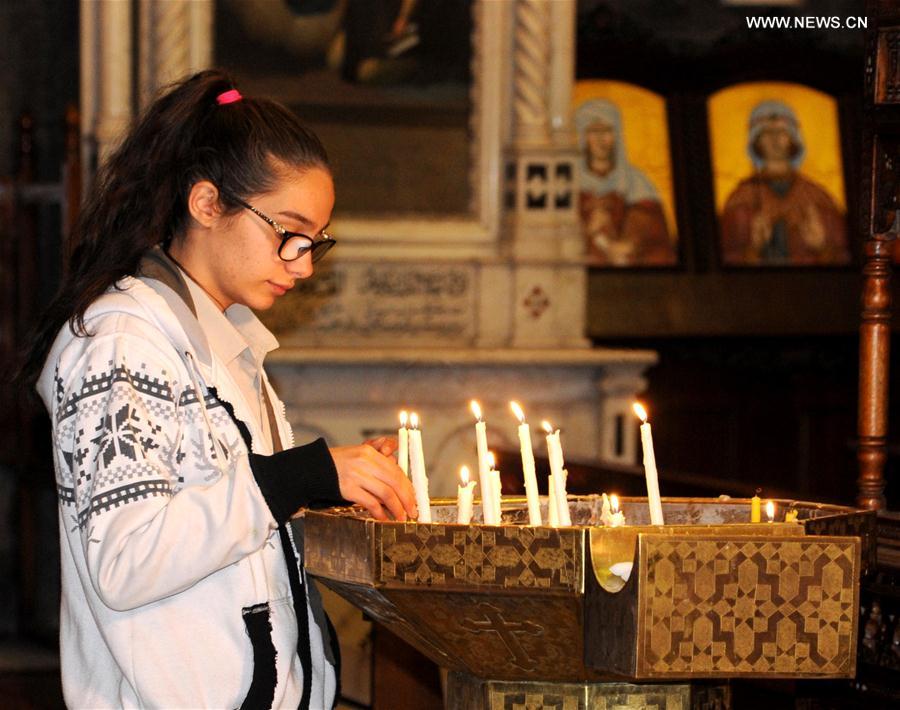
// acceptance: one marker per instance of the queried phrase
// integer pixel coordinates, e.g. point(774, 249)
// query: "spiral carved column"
point(532, 70)
point(171, 34)
point(540, 198)
point(114, 76)
point(176, 40)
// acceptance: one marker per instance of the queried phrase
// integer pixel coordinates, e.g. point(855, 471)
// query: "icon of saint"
point(778, 216)
point(621, 214)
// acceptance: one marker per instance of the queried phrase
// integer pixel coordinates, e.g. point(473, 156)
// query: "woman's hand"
point(387, 445)
point(369, 475)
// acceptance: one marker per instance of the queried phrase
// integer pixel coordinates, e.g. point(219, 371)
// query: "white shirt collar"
point(232, 332)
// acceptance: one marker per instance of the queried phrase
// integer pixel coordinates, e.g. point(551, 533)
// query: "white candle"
point(552, 510)
point(770, 511)
point(496, 496)
point(403, 444)
point(484, 471)
point(656, 514)
point(417, 468)
point(465, 493)
point(528, 472)
point(554, 452)
point(605, 510)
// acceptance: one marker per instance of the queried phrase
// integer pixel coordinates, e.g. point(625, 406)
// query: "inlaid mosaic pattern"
point(862, 524)
point(468, 693)
point(490, 557)
point(518, 604)
point(747, 607)
point(505, 700)
point(343, 551)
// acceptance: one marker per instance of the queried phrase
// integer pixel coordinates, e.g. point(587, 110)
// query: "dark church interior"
point(771, 377)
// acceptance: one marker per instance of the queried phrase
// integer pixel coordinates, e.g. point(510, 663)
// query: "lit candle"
point(465, 493)
point(605, 510)
point(403, 443)
point(617, 518)
point(417, 468)
point(558, 481)
point(755, 508)
point(770, 511)
point(531, 487)
point(484, 472)
point(656, 514)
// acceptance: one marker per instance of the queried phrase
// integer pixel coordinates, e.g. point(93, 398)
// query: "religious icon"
point(622, 209)
point(780, 214)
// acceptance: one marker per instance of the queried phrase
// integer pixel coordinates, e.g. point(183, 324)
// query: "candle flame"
point(770, 510)
point(517, 410)
point(404, 418)
point(640, 411)
point(464, 475)
point(476, 409)
point(614, 503)
point(414, 421)
point(491, 460)
point(547, 426)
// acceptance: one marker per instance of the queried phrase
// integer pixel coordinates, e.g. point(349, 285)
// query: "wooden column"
point(881, 223)
point(874, 360)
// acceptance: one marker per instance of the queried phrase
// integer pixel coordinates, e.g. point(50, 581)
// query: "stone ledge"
point(574, 357)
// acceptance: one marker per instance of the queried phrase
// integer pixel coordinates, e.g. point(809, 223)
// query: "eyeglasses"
point(294, 244)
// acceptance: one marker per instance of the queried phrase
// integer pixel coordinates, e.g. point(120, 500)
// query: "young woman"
point(176, 469)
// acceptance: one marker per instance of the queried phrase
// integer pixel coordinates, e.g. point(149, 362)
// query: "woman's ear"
point(203, 203)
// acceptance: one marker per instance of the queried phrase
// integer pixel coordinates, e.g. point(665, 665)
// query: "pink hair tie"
point(228, 97)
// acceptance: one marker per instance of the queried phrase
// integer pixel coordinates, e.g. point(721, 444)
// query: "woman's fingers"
point(371, 504)
point(385, 445)
point(388, 497)
point(399, 491)
point(365, 475)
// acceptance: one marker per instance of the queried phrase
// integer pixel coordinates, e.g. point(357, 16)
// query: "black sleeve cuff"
point(302, 477)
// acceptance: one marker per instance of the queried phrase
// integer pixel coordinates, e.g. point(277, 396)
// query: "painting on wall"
point(626, 201)
point(778, 176)
point(384, 83)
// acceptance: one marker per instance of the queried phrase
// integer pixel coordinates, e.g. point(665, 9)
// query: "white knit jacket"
point(168, 523)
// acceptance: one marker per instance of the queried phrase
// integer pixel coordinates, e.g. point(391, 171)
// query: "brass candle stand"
point(535, 617)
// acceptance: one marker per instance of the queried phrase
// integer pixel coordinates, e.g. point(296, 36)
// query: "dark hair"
point(140, 196)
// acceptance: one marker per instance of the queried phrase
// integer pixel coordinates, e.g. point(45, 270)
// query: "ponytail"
point(140, 196)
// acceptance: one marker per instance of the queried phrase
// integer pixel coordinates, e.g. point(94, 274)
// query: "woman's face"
point(600, 143)
point(244, 266)
point(774, 142)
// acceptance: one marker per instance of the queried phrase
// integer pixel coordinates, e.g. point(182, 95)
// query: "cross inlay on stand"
point(493, 621)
